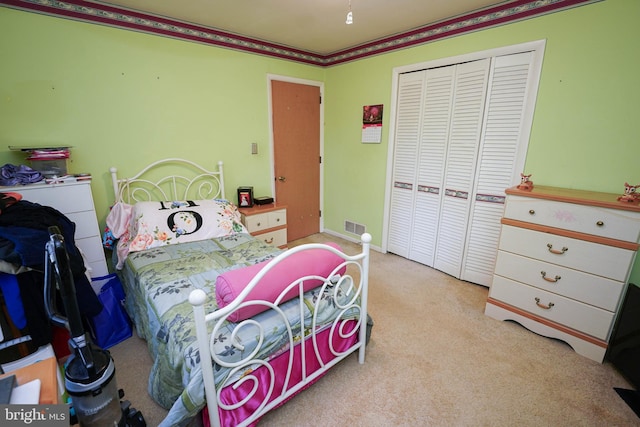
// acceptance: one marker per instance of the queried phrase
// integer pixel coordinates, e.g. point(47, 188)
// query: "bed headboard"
point(168, 180)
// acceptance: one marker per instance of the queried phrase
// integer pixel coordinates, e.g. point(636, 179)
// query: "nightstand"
point(267, 222)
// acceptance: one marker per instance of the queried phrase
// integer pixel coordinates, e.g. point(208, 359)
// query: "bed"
point(235, 327)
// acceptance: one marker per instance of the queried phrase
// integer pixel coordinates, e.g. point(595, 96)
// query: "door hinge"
point(320, 99)
point(319, 214)
point(320, 159)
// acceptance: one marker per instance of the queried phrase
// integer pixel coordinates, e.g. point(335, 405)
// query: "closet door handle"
point(546, 307)
point(549, 279)
point(556, 251)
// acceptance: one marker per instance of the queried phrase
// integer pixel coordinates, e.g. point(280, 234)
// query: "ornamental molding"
point(101, 14)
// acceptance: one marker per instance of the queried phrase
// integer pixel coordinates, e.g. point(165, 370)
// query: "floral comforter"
point(158, 282)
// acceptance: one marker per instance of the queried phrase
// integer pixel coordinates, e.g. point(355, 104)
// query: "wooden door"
point(296, 154)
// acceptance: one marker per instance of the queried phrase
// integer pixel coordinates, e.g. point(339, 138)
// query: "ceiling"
point(316, 26)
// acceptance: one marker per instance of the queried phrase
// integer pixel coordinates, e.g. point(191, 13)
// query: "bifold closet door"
point(460, 164)
point(458, 145)
point(500, 160)
point(422, 131)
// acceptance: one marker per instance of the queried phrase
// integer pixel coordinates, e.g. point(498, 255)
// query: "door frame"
point(320, 85)
point(537, 47)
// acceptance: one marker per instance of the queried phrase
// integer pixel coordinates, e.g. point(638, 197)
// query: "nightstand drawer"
point(265, 220)
point(573, 314)
point(274, 238)
point(598, 221)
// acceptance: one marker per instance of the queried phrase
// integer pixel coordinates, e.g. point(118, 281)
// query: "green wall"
point(586, 126)
point(125, 98)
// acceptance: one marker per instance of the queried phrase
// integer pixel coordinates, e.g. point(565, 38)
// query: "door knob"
point(282, 179)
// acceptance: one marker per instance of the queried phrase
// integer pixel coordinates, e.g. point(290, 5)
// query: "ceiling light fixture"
point(349, 20)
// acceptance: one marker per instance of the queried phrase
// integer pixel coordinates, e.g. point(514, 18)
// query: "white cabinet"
point(458, 144)
point(267, 222)
point(75, 201)
point(563, 263)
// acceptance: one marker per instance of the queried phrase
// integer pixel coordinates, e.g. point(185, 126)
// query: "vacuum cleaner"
point(90, 370)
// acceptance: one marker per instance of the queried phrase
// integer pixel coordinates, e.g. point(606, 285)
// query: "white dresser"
point(563, 264)
point(267, 222)
point(75, 201)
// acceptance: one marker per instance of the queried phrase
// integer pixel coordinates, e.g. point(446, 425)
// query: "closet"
point(460, 138)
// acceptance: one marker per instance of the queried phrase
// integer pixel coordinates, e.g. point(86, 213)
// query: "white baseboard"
point(350, 238)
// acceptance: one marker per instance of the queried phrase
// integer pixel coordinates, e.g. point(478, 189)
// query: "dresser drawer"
point(66, 198)
point(594, 258)
point(274, 238)
point(86, 224)
point(265, 220)
point(573, 314)
point(611, 223)
point(588, 288)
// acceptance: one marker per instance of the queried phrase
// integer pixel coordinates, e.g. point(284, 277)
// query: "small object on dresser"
point(245, 197)
point(525, 182)
point(263, 200)
point(630, 193)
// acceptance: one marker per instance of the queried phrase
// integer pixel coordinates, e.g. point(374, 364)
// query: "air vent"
point(354, 228)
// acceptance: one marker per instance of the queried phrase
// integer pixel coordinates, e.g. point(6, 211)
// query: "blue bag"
point(112, 325)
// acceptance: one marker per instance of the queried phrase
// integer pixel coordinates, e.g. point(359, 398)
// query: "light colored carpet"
point(434, 359)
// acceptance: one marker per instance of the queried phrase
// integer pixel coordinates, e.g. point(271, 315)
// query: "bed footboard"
point(310, 346)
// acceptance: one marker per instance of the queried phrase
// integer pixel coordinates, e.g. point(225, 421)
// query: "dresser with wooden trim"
point(564, 259)
point(267, 222)
point(75, 201)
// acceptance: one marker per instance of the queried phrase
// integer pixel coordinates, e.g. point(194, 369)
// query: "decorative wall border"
point(101, 14)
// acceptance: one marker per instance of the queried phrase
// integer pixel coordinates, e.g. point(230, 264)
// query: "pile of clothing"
point(18, 175)
point(23, 235)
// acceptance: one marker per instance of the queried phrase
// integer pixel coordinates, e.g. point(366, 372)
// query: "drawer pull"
point(600, 223)
point(268, 241)
point(532, 212)
point(555, 251)
point(549, 279)
point(258, 224)
point(546, 307)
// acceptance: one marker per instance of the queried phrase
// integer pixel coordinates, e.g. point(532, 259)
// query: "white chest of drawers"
point(75, 201)
point(563, 263)
point(267, 222)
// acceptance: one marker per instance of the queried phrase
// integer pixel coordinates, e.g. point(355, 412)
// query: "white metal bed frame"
point(207, 184)
point(353, 285)
point(201, 184)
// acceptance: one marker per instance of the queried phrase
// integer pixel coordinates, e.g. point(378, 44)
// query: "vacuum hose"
point(58, 268)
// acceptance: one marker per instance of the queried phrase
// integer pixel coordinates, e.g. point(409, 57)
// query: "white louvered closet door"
point(422, 132)
point(458, 145)
point(434, 135)
point(410, 94)
point(460, 163)
point(501, 147)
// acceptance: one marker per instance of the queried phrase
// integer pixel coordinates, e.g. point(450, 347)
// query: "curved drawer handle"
point(268, 241)
point(555, 251)
point(549, 279)
point(546, 307)
point(600, 223)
